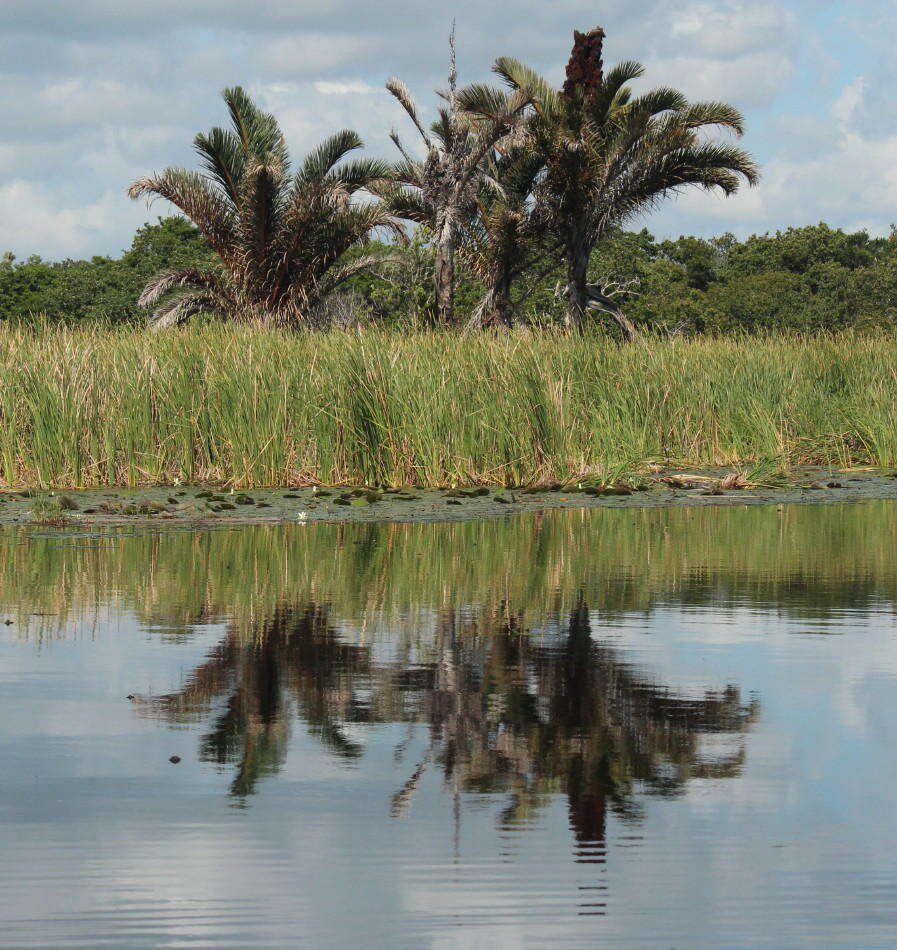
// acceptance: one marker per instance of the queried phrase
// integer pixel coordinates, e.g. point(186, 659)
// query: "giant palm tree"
point(440, 189)
point(281, 238)
point(609, 156)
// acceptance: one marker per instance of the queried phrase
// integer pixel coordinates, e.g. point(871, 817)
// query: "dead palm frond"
point(440, 189)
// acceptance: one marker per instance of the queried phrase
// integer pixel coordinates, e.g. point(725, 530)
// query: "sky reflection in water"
point(639, 728)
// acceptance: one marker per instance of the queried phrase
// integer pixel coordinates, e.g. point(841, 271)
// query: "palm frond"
point(485, 101)
point(403, 95)
point(406, 203)
point(191, 193)
point(363, 173)
point(340, 273)
point(522, 78)
point(444, 128)
point(720, 114)
point(180, 308)
point(518, 170)
point(357, 223)
point(709, 166)
point(170, 280)
point(320, 162)
point(408, 173)
point(715, 165)
point(622, 97)
point(614, 94)
point(311, 245)
point(223, 158)
point(617, 77)
point(258, 132)
point(657, 101)
point(259, 210)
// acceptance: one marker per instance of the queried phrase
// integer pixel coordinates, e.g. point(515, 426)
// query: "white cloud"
point(805, 189)
point(848, 100)
point(307, 114)
point(732, 28)
point(737, 51)
point(752, 80)
point(305, 53)
point(78, 99)
point(344, 88)
point(32, 221)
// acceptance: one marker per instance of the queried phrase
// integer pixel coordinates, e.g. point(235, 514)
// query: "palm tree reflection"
point(525, 712)
point(292, 665)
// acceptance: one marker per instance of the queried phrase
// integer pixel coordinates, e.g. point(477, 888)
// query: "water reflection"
point(815, 561)
point(445, 731)
point(508, 710)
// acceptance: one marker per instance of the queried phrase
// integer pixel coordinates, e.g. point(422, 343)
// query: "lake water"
point(633, 729)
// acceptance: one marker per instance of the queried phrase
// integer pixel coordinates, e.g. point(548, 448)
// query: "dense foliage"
point(810, 278)
point(103, 288)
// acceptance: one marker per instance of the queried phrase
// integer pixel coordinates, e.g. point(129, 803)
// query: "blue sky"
point(98, 93)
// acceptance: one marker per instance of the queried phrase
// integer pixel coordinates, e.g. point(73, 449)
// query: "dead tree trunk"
point(445, 274)
point(605, 296)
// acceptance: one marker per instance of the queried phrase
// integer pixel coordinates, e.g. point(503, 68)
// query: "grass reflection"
point(810, 560)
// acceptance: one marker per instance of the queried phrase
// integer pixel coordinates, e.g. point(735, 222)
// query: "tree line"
point(809, 278)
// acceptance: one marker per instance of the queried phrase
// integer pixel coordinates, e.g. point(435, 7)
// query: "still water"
point(664, 729)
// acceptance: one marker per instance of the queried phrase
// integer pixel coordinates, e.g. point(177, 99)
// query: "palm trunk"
point(498, 311)
point(445, 274)
point(577, 292)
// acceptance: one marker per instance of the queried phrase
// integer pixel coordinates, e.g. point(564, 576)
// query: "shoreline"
point(196, 507)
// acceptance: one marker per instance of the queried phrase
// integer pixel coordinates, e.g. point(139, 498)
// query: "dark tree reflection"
point(292, 666)
point(524, 712)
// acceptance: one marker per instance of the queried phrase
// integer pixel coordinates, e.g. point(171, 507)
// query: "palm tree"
point(609, 156)
point(281, 238)
point(440, 190)
point(502, 237)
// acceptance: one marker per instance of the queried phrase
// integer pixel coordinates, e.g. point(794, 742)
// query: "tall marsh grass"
point(99, 406)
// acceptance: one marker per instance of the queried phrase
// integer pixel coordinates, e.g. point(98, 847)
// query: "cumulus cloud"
point(32, 221)
point(835, 171)
point(848, 100)
point(102, 92)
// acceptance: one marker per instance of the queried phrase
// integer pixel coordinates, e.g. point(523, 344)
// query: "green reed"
point(103, 406)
